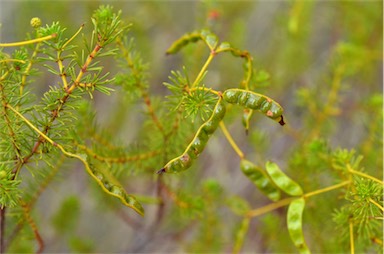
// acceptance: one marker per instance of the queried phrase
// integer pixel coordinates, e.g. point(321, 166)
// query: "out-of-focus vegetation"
point(322, 61)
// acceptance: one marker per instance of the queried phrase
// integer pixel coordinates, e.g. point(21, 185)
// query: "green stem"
point(22, 43)
point(231, 141)
point(351, 237)
point(364, 175)
point(202, 71)
point(287, 201)
point(333, 187)
point(376, 204)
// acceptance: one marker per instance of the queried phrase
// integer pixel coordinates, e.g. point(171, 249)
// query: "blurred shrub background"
point(321, 60)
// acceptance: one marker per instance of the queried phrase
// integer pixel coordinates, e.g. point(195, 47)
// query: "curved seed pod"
point(197, 145)
point(260, 179)
point(111, 187)
point(285, 183)
point(295, 224)
point(183, 41)
point(255, 101)
point(209, 38)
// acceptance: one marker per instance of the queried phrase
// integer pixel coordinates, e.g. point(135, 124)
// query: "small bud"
point(3, 174)
point(35, 22)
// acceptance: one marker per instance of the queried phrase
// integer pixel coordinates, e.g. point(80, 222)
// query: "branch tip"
point(161, 171)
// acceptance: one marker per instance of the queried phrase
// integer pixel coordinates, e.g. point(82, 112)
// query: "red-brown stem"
point(151, 112)
point(33, 227)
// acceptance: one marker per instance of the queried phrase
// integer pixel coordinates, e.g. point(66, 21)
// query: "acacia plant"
point(43, 134)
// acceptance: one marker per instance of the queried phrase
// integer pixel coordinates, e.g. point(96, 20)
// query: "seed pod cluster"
point(260, 179)
point(255, 101)
point(196, 147)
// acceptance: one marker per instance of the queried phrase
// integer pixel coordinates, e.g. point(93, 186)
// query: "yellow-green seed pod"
point(35, 22)
point(110, 186)
point(183, 41)
point(295, 224)
point(260, 179)
point(284, 182)
point(197, 145)
point(255, 101)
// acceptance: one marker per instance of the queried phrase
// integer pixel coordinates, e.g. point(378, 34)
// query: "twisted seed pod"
point(197, 145)
point(183, 41)
point(255, 101)
point(260, 179)
point(207, 36)
point(115, 190)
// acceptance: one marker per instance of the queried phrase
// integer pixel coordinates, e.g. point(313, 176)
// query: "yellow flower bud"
point(35, 22)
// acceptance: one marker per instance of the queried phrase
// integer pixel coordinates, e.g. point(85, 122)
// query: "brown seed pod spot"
point(185, 158)
point(269, 113)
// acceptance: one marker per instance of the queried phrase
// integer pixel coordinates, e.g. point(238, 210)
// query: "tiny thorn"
point(281, 122)
point(160, 171)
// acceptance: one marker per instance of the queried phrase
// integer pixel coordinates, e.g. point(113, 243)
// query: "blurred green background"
point(303, 50)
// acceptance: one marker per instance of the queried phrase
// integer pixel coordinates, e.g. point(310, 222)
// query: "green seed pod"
point(243, 98)
point(275, 110)
point(265, 106)
point(197, 145)
point(218, 113)
point(107, 185)
point(295, 224)
point(231, 96)
point(210, 126)
point(99, 176)
point(209, 38)
point(117, 190)
point(111, 187)
point(285, 183)
point(35, 22)
point(183, 41)
point(186, 160)
point(255, 101)
point(260, 179)
point(196, 148)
